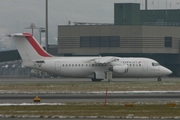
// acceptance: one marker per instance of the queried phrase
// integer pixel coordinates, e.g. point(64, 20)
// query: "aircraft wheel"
point(96, 80)
point(159, 79)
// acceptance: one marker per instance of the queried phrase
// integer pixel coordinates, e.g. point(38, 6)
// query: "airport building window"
point(94, 41)
point(104, 42)
point(85, 41)
point(114, 41)
point(99, 41)
point(168, 42)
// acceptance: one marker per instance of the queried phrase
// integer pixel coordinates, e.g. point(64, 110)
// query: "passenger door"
point(57, 66)
point(145, 66)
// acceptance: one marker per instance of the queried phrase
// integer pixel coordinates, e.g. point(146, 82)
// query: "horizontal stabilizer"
point(20, 34)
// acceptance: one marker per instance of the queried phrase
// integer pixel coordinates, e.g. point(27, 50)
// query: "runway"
point(57, 80)
point(55, 98)
point(75, 119)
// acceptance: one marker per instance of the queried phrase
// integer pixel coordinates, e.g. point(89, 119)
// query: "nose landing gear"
point(159, 79)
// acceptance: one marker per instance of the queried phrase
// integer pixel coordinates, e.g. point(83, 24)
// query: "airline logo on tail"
point(36, 46)
point(33, 43)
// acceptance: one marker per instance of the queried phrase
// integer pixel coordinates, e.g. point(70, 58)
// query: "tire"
point(159, 79)
point(96, 80)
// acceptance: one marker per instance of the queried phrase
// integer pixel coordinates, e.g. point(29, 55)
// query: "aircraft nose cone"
point(165, 71)
point(169, 71)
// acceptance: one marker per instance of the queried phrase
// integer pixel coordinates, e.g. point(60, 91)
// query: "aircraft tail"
point(28, 48)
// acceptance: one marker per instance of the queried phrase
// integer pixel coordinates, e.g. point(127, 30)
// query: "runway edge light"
point(37, 99)
point(170, 104)
point(129, 105)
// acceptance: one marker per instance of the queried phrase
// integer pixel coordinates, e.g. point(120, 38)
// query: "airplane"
point(96, 68)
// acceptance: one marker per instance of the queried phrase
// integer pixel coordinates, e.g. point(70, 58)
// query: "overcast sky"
point(15, 15)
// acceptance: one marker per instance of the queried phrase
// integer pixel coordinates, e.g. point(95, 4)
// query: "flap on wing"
point(102, 60)
point(106, 60)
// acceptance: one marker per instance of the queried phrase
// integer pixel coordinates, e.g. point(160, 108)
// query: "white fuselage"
point(78, 67)
point(96, 68)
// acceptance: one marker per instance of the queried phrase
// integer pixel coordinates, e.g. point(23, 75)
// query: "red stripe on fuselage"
point(38, 49)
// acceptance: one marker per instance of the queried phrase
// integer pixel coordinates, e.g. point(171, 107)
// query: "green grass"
point(91, 86)
point(153, 110)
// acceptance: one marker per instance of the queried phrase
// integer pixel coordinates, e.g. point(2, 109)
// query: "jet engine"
point(120, 69)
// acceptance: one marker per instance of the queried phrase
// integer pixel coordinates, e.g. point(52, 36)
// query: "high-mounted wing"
point(102, 60)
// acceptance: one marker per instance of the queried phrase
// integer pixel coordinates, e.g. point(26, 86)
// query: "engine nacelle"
point(120, 69)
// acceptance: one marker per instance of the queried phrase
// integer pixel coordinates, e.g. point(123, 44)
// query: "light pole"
point(47, 25)
point(40, 31)
point(32, 26)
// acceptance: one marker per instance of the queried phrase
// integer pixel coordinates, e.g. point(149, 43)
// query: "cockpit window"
point(155, 64)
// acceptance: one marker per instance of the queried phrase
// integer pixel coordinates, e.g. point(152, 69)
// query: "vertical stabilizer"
point(28, 47)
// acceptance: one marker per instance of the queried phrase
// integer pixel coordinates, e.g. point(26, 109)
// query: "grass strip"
point(91, 86)
point(160, 110)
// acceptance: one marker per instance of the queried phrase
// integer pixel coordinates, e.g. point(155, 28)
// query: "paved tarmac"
point(57, 80)
point(63, 98)
point(76, 119)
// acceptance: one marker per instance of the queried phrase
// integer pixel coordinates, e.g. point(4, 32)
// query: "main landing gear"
point(96, 80)
point(159, 79)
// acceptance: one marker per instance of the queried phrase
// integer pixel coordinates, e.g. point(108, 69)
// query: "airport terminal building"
point(135, 33)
